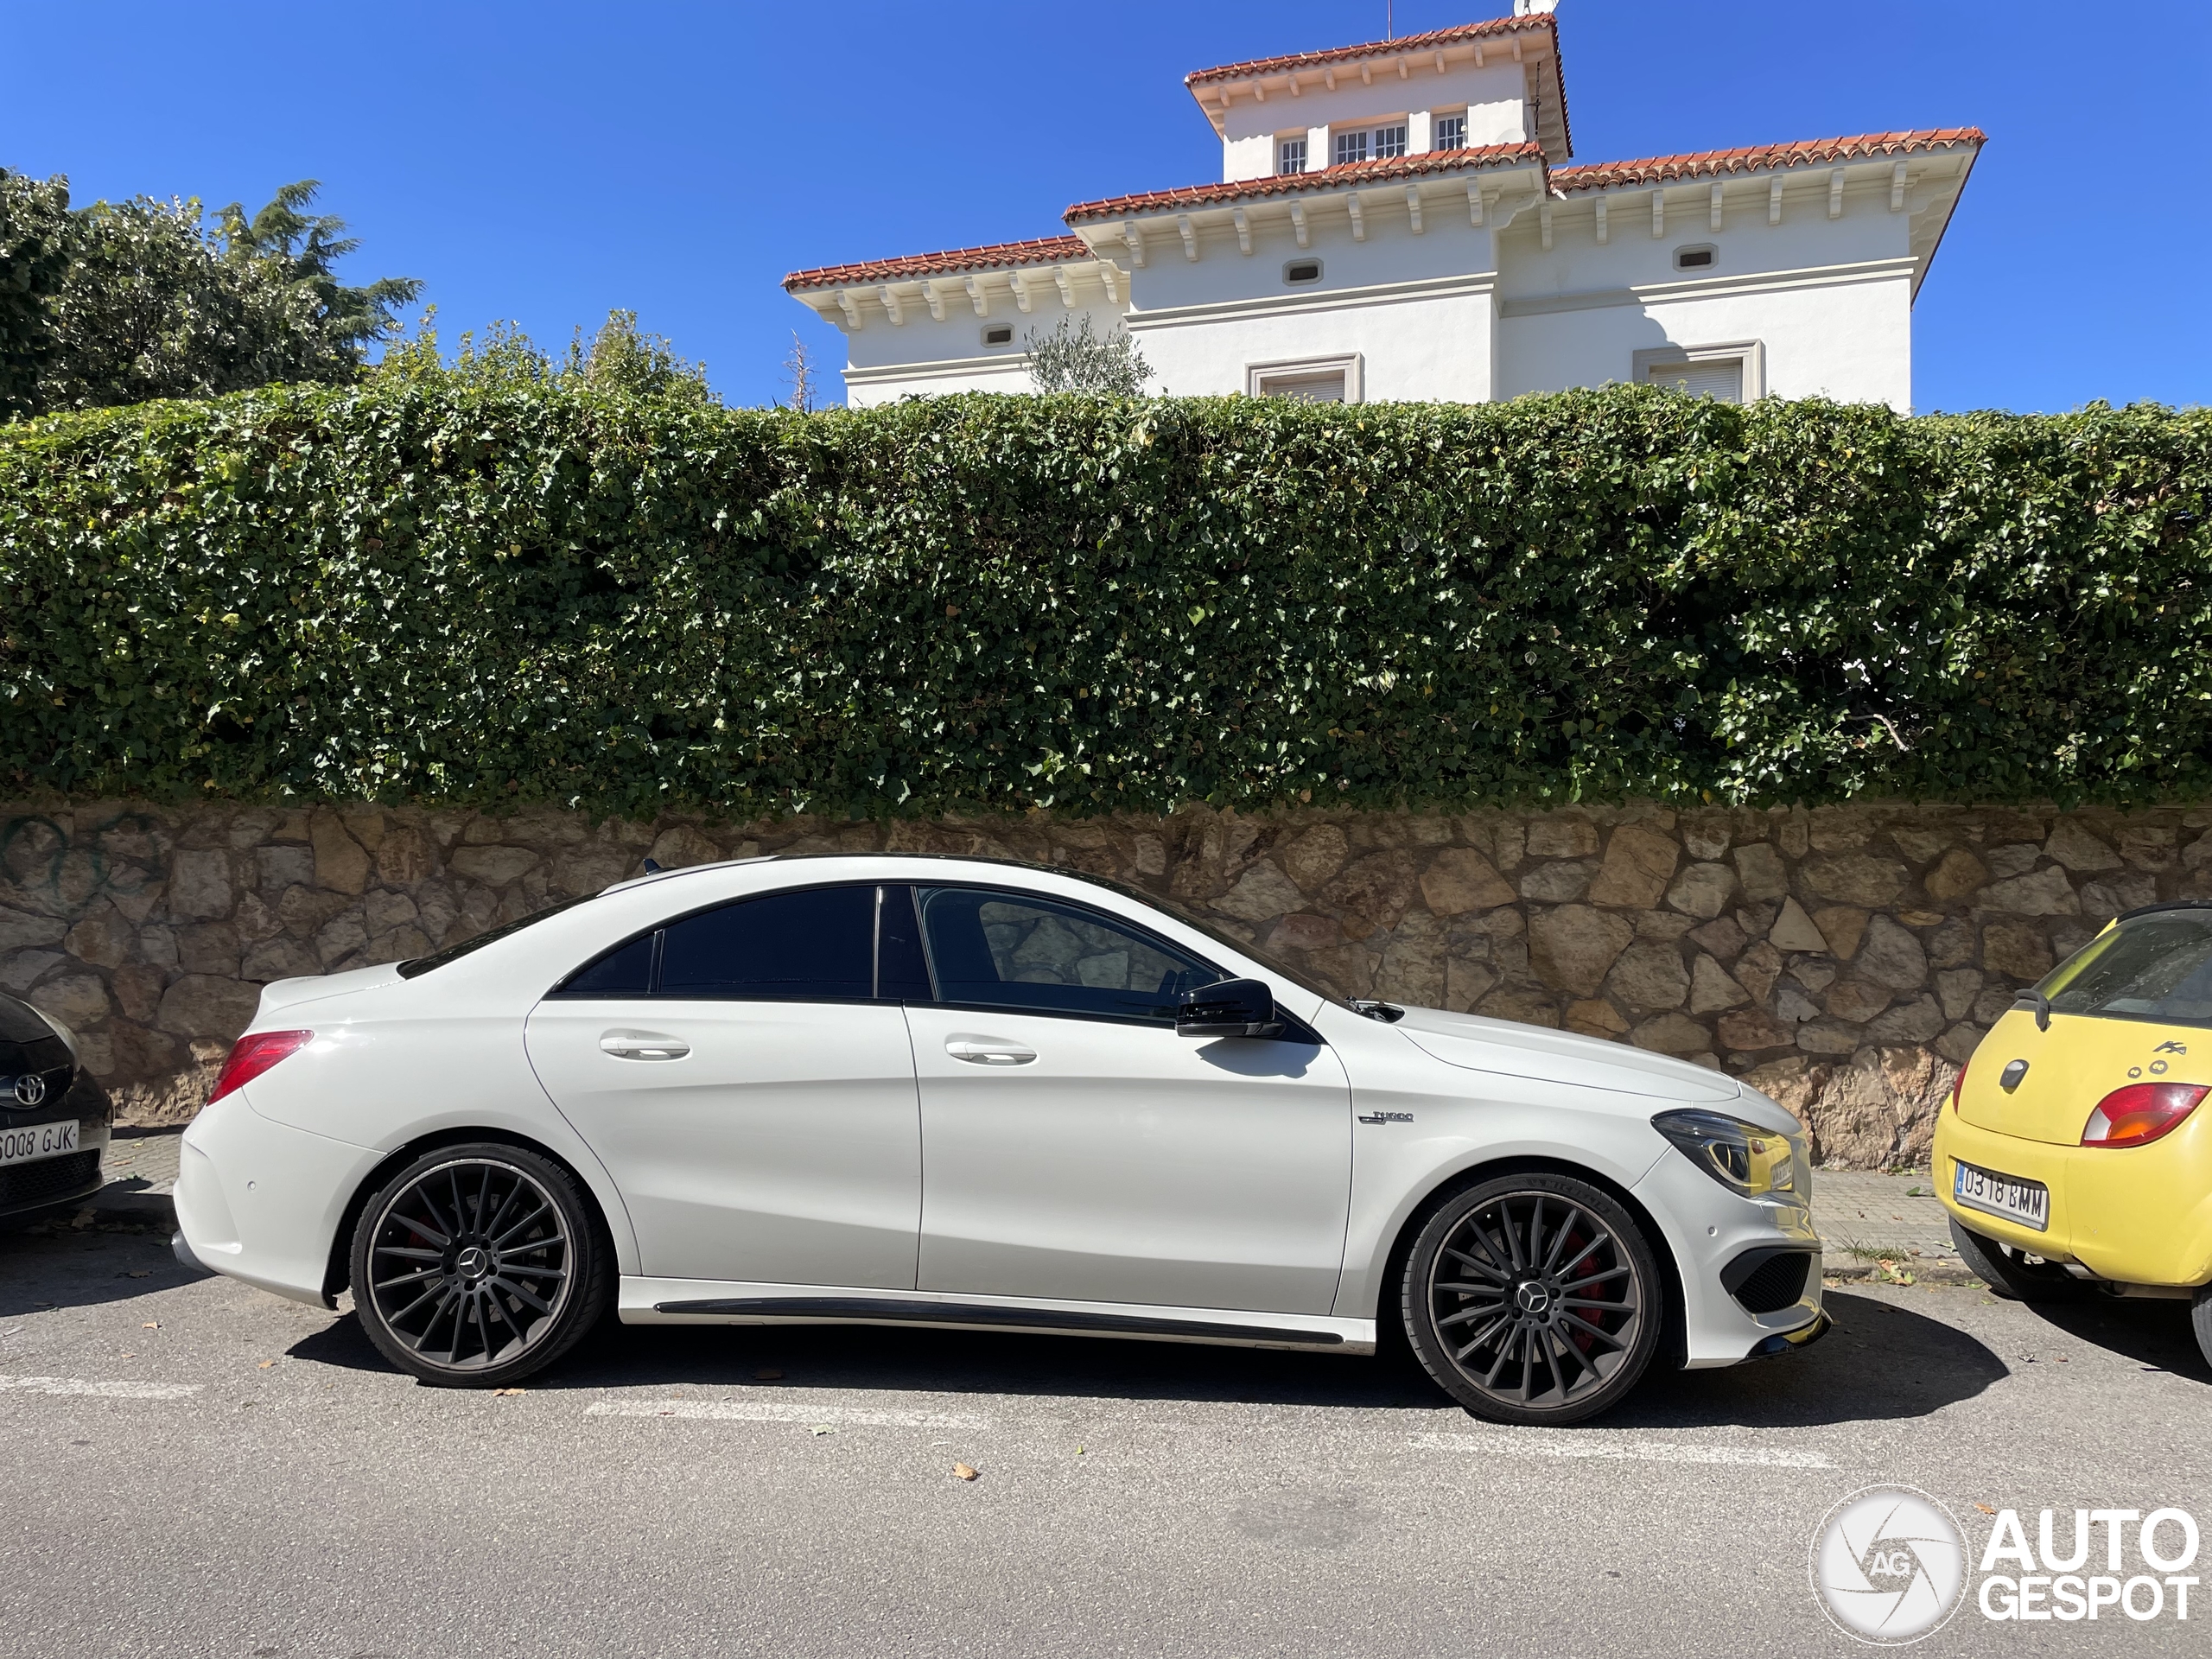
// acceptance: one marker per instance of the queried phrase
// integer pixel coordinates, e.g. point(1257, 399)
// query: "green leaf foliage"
point(478, 587)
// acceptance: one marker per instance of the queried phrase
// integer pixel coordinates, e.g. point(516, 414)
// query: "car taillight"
point(1959, 1085)
point(2140, 1113)
point(253, 1054)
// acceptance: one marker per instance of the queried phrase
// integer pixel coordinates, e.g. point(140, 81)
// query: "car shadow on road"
point(1881, 1362)
point(66, 1267)
point(2155, 1334)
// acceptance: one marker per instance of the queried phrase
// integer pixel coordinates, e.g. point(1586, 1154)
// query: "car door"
point(751, 1090)
point(1075, 1148)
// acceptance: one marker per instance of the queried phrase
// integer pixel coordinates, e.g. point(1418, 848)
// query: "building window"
point(1734, 372)
point(1290, 156)
point(1316, 380)
point(998, 334)
point(1450, 132)
point(1351, 147)
point(1389, 142)
point(1701, 255)
point(1299, 271)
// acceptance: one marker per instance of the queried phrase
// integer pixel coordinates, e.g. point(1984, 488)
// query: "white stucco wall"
point(1830, 300)
point(1849, 341)
point(1429, 342)
point(886, 362)
point(1448, 246)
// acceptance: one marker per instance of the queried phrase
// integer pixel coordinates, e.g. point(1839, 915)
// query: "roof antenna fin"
point(653, 865)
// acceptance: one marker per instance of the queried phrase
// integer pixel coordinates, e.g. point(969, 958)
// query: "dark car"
point(54, 1118)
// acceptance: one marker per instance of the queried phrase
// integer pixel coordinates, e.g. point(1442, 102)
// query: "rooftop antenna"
point(1390, 20)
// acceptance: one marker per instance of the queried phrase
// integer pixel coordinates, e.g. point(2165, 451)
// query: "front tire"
point(1533, 1299)
point(476, 1265)
point(2010, 1273)
point(2200, 1320)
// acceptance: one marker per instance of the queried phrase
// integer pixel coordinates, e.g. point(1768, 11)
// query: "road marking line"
point(764, 1412)
point(1529, 1446)
point(98, 1390)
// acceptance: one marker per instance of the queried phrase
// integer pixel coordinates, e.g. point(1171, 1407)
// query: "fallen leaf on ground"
point(151, 1324)
point(266, 1363)
point(822, 1428)
point(961, 1471)
point(766, 1374)
point(1985, 1508)
point(501, 1393)
point(130, 1356)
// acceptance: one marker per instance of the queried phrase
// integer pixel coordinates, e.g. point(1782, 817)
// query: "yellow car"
point(2074, 1155)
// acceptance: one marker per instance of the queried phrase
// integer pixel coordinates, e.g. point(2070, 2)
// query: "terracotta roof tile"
point(1287, 184)
point(1705, 164)
point(997, 256)
point(1370, 49)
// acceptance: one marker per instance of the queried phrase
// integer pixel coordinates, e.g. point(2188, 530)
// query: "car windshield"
point(455, 952)
point(2157, 967)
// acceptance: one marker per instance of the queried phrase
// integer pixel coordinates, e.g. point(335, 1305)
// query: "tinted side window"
point(1017, 951)
point(626, 970)
point(816, 945)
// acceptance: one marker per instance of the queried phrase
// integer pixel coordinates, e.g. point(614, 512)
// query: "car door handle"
point(988, 1050)
point(643, 1046)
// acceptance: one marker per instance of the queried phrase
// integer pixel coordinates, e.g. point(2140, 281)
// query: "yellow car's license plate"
point(38, 1140)
point(2026, 1202)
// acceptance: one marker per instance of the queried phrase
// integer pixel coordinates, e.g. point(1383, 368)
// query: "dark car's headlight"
point(1742, 1157)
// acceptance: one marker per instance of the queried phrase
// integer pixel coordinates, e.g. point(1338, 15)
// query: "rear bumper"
point(2140, 1215)
point(261, 1201)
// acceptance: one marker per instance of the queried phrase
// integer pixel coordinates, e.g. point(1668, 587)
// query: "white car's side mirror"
point(1234, 1007)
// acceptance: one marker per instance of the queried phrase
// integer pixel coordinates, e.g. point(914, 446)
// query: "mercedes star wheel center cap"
point(1535, 1300)
point(473, 1262)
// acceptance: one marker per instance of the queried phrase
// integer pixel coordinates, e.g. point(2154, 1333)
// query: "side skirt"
point(676, 1301)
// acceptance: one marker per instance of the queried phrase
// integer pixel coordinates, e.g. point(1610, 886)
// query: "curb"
point(1919, 1272)
point(118, 1201)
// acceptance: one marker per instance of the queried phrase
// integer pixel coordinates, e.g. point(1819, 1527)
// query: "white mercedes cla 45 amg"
point(960, 1092)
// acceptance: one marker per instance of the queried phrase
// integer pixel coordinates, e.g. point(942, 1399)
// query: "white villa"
point(1398, 220)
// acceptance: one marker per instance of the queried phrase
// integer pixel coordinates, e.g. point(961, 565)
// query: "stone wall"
point(1843, 959)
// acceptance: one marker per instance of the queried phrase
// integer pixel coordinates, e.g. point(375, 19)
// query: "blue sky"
point(545, 162)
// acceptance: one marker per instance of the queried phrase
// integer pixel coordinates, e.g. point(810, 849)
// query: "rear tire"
point(1533, 1299)
point(2009, 1272)
point(476, 1265)
point(2200, 1319)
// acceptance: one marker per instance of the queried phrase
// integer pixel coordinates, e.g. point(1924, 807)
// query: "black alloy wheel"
point(2013, 1274)
point(476, 1265)
point(1533, 1299)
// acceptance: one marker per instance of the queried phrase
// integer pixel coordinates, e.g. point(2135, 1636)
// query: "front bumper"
point(2138, 1215)
point(1709, 1229)
point(29, 1191)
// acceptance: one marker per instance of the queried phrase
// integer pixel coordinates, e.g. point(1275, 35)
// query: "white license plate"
point(39, 1141)
point(2026, 1202)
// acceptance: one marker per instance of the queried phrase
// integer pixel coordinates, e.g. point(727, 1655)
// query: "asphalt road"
point(190, 1467)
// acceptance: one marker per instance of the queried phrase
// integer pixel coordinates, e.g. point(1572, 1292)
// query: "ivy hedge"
point(440, 588)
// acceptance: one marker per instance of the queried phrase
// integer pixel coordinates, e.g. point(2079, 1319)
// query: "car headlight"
point(1742, 1157)
point(68, 1037)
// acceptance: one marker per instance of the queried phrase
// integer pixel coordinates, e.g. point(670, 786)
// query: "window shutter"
point(1721, 378)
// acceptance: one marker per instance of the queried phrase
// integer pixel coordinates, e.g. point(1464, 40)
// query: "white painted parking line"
point(1511, 1445)
point(98, 1390)
point(763, 1411)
